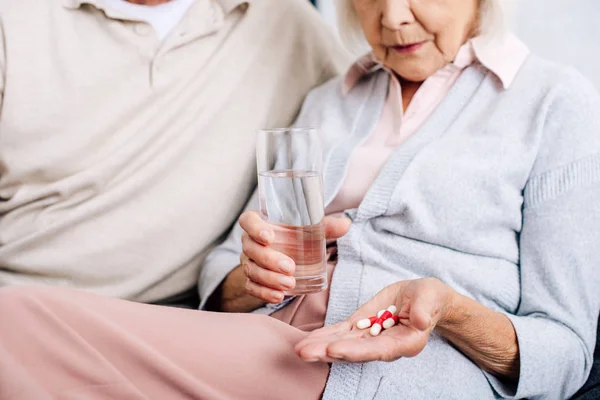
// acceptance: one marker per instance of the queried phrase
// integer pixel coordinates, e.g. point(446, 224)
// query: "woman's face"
point(415, 38)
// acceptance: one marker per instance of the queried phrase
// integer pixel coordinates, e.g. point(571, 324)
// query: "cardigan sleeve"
point(226, 257)
point(223, 259)
point(560, 250)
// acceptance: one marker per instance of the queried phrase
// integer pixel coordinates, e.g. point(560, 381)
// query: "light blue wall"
point(565, 31)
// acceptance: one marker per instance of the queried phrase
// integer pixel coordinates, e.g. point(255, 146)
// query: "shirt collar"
point(230, 5)
point(504, 56)
point(74, 4)
point(227, 5)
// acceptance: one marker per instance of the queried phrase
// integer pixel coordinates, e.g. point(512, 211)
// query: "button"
point(143, 29)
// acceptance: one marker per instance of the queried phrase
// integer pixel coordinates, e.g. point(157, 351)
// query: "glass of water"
point(290, 188)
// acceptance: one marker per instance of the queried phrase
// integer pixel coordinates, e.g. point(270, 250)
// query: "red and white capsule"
point(390, 322)
point(386, 315)
point(366, 323)
point(377, 327)
point(391, 309)
point(385, 319)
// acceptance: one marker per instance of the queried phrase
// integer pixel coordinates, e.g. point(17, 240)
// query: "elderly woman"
point(470, 170)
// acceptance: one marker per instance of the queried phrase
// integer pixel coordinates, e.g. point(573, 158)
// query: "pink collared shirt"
point(503, 57)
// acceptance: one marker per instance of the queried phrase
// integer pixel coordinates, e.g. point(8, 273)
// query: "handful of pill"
point(385, 319)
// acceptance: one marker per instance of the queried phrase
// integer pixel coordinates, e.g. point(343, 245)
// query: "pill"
point(386, 315)
point(392, 309)
point(366, 323)
point(380, 313)
point(376, 328)
point(388, 323)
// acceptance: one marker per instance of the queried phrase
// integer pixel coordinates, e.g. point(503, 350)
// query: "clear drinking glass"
point(290, 188)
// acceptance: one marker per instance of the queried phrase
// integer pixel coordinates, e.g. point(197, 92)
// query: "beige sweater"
point(124, 160)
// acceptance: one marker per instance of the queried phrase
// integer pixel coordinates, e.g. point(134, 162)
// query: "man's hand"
point(421, 303)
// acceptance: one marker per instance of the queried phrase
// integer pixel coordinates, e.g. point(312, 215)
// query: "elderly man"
point(127, 132)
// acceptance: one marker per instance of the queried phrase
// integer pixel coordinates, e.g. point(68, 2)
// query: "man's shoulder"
point(290, 14)
point(11, 5)
point(298, 25)
point(12, 8)
point(301, 6)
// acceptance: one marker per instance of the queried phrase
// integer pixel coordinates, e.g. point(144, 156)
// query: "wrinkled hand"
point(422, 303)
point(268, 272)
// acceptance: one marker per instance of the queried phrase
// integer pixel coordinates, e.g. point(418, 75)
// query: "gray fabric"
point(496, 195)
point(591, 389)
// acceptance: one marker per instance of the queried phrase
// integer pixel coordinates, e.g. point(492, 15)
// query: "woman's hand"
point(422, 304)
point(268, 272)
point(486, 336)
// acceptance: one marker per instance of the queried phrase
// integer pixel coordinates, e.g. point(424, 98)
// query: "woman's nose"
point(396, 13)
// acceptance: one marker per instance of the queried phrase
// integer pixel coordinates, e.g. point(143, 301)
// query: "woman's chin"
point(413, 73)
point(412, 76)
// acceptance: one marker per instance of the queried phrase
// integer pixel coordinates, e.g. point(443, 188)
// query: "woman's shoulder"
point(335, 93)
point(329, 90)
point(332, 106)
point(318, 102)
point(569, 115)
point(556, 80)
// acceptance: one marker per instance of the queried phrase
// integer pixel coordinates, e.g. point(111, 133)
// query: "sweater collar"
point(227, 5)
point(503, 56)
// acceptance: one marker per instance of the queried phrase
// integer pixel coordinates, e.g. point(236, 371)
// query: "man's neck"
point(148, 2)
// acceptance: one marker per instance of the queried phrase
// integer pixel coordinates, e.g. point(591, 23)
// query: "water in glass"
point(292, 201)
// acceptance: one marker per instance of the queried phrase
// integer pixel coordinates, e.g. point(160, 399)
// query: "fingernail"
point(287, 281)
point(267, 236)
point(311, 360)
point(277, 297)
point(286, 266)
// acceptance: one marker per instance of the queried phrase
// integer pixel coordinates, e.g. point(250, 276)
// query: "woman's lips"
point(409, 48)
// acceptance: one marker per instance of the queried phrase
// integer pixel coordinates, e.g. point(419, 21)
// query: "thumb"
point(423, 310)
point(336, 227)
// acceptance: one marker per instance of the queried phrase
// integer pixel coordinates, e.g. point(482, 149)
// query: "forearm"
point(487, 337)
point(231, 295)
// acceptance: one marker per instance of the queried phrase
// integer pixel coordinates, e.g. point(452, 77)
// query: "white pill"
point(375, 329)
point(388, 323)
point(363, 323)
point(380, 313)
point(393, 309)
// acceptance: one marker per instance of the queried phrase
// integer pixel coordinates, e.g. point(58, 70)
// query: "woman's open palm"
point(421, 304)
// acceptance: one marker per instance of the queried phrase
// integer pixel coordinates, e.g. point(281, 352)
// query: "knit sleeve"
point(223, 259)
point(226, 257)
point(560, 252)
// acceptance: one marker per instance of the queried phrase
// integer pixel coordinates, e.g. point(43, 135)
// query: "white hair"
point(495, 19)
